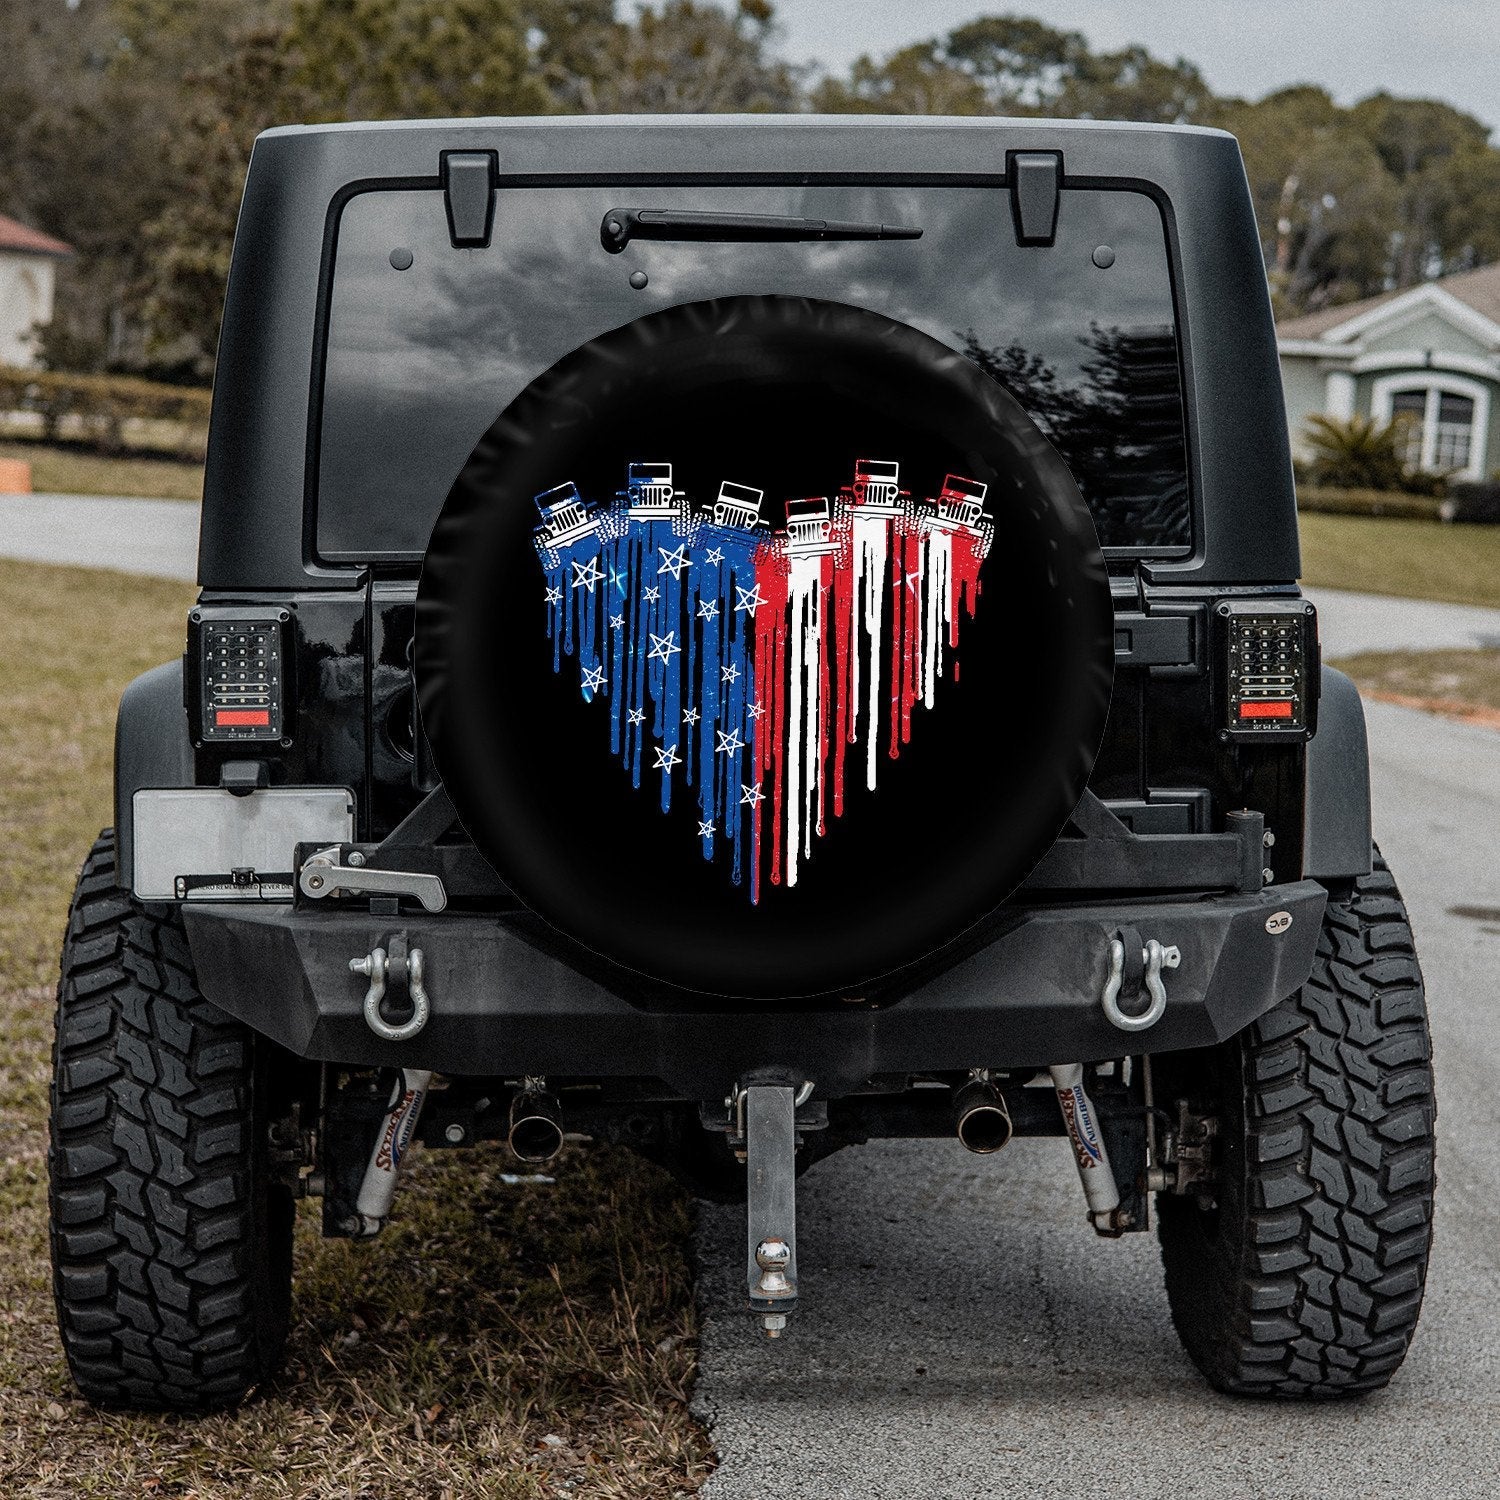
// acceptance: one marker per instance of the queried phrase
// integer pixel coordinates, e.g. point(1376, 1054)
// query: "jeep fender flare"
point(152, 749)
point(1336, 817)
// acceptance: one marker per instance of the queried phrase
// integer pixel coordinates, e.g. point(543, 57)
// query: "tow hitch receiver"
point(770, 1127)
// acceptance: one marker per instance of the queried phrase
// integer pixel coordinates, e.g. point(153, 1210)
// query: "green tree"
point(192, 233)
point(321, 60)
point(1437, 157)
point(917, 80)
point(403, 59)
point(1324, 202)
point(1131, 84)
point(685, 57)
point(1016, 65)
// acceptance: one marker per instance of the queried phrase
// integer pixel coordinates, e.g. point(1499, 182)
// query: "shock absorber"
point(378, 1190)
point(1100, 1190)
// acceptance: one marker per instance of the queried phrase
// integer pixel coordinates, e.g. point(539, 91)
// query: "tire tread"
point(170, 1250)
point(1310, 1284)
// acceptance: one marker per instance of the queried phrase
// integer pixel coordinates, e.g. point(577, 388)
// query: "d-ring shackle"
point(376, 967)
point(1156, 958)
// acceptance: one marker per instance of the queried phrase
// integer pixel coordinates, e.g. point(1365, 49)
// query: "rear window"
point(420, 361)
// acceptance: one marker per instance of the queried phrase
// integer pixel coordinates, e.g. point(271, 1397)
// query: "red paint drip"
point(898, 587)
point(825, 601)
point(911, 634)
point(773, 574)
point(846, 643)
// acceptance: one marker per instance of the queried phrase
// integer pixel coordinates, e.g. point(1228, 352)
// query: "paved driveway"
point(157, 537)
point(965, 1335)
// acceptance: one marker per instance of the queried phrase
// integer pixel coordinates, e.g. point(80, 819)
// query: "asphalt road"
point(154, 537)
point(1350, 622)
point(964, 1334)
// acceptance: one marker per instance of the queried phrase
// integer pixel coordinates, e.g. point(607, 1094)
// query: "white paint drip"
point(804, 708)
point(937, 571)
point(871, 544)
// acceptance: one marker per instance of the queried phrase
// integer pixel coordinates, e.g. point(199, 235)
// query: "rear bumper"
point(501, 1005)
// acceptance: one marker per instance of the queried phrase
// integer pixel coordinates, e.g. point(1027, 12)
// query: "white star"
point(666, 759)
point(706, 830)
point(750, 598)
point(593, 678)
point(663, 648)
point(691, 716)
point(553, 595)
point(731, 673)
point(617, 621)
point(586, 577)
point(652, 595)
point(636, 716)
point(673, 562)
point(617, 578)
point(728, 743)
point(714, 555)
point(707, 609)
point(756, 710)
point(914, 581)
point(751, 794)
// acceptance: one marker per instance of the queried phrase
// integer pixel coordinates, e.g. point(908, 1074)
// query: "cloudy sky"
point(1445, 49)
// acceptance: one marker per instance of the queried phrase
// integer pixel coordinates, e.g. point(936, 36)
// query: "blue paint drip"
point(647, 608)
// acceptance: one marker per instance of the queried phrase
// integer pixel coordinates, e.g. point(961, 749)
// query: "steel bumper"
point(503, 1005)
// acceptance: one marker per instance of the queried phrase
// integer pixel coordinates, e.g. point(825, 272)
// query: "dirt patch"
point(1458, 684)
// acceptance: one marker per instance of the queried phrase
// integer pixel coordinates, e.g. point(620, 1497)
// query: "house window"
point(1443, 418)
point(1454, 434)
point(1409, 409)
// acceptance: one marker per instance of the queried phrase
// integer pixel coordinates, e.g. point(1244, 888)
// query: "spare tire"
point(740, 740)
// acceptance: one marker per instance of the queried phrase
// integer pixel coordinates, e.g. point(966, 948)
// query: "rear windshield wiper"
point(621, 225)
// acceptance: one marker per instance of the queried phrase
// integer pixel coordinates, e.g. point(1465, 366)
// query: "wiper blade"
point(621, 225)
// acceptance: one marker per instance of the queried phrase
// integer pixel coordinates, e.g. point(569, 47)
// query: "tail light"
point(1268, 655)
point(237, 674)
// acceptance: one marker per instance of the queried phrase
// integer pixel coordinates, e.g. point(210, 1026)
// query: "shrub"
point(1473, 500)
point(1357, 453)
point(94, 409)
point(1364, 502)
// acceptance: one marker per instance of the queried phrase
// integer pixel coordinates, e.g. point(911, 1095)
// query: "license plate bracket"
point(212, 844)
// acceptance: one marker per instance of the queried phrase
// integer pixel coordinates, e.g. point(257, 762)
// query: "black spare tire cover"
point(764, 645)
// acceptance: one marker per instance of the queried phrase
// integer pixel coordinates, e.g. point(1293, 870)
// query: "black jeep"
point(741, 636)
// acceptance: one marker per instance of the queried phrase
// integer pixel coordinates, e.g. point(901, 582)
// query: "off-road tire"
point(171, 1243)
point(1305, 1276)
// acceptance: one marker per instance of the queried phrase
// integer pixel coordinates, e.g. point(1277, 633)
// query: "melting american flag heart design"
point(757, 665)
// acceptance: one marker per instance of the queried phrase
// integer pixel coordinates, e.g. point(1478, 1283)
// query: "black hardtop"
point(258, 528)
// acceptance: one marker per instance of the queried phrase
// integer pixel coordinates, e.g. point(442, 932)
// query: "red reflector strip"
point(1262, 709)
point(235, 718)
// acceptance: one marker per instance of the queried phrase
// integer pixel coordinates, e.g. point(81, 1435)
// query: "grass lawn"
point(1461, 683)
point(497, 1340)
point(1413, 559)
point(74, 471)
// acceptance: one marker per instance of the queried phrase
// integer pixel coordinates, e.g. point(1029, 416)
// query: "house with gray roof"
point(1430, 353)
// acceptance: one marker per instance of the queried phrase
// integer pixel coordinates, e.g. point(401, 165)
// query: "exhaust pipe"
point(980, 1116)
point(536, 1132)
